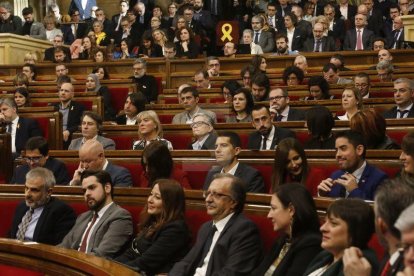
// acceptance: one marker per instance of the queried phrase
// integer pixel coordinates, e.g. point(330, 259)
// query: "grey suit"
point(37, 30)
point(266, 41)
point(108, 144)
point(181, 118)
point(121, 177)
point(109, 235)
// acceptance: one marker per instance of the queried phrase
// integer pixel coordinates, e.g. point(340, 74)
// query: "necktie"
point(279, 118)
point(9, 128)
point(318, 45)
point(256, 38)
point(82, 248)
point(264, 140)
point(24, 224)
point(397, 33)
point(386, 269)
point(271, 21)
point(207, 244)
point(403, 113)
point(359, 40)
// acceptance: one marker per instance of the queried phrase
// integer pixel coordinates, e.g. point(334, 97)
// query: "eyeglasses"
point(407, 247)
point(197, 124)
point(276, 98)
point(214, 65)
point(215, 195)
point(34, 159)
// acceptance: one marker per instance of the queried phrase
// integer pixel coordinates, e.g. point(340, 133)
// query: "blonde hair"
point(154, 117)
point(30, 56)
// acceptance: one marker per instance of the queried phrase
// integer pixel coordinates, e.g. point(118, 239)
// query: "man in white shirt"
point(279, 101)
point(359, 38)
point(403, 97)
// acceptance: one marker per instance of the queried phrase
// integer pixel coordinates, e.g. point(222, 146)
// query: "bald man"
point(92, 158)
point(318, 42)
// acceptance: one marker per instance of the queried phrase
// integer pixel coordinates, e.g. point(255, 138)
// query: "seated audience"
point(373, 127)
point(356, 177)
point(87, 48)
point(282, 46)
point(93, 84)
point(30, 27)
point(279, 104)
point(351, 103)
point(113, 228)
point(157, 163)
point(227, 150)
point(385, 69)
point(50, 24)
point(318, 89)
point(99, 55)
point(405, 225)
point(318, 42)
point(262, 37)
point(319, 121)
point(403, 97)
point(30, 71)
point(149, 129)
point(30, 58)
point(202, 79)
point(9, 23)
point(160, 38)
point(37, 155)
point(145, 83)
point(57, 42)
point(21, 81)
point(247, 39)
point(292, 76)
point(293, 215)
point(379, 43)
point(349, 222)
point(359, 38)
point(260, 87)
point(102, 38)
point(228, 88)
point(148, 48)
point(213, 64)
point(242, 105)
point(259, 64)
point(186, 45)
point(229, 242)
point(362, 82)
point(267, 136)
point(91, 124)
point(134, 104)
point(230, 50)
point(42, 217)
point(246, 74)
point(21, 97)
point(406, 157)
point(101, 72)
point(126, 50)
point(203, 132)
point(331, 75)
point(170, 50)
point(163, 235)
point(339, 61)
point(301, 62)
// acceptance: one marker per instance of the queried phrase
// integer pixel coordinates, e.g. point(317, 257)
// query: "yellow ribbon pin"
point(226, 29)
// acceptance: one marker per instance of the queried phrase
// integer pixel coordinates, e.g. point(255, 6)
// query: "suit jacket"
point(296, 115)
point(108, 144)
point(181, 118)
point(84, 13)
point(68, 36)
point(251, 177)
point(398, 42)
point(338, 30)
point(54, 165)
point(266, 41)
point(376, 23)
point(209, 143)
point(255, 138)
point(50, 53)
point(12, 25)
point(193, 50)
point(328, 44)
point(392, 113)
point(300, 254)
point(109, 236)
point(147, 84)
point(237, 251)
point(298, 39)
point(371, 178)
point(305, 27)
point(161, 251)
point(351, 40)
point(54, 223)
point(121, 177)
point(26, 128)
point(37, 30)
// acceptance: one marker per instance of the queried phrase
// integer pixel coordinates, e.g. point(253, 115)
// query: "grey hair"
point(207, 119)
point(250, 31)
point(7, 6)
point(303, 59)
point(43, 173)
point(385, 65)
point(405, 80)
point(141, 61)
point(406, 220)
point(259, 18)
point(8, 101)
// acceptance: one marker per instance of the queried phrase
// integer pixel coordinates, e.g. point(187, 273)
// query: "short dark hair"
point(320, 122)
point(262, 80)
point(27, 10)
point(260, 106)
point(191, 89)
point(234, 138)
point(363, 75)
point(63, 79)
point(407, 144)
point(322, 83)
point(249, 99)
point(380, 39)
point(355, 139)
point(158, 161)
point(94, 116)
point(328, 67)
point(359, 217)
point(73, 10)
point(231, 85)
point(340, 58)
point(106, 73)
point(281, 35)
point(38, 143)
point(203, 72)
point(138, 99)
point(32, 68)
point(293, 17)
point(237, 190)
point(102, 177)
point(293, 70)
point(170, 45)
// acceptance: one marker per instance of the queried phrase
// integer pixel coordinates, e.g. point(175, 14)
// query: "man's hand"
point(355, 263)
point(348, 181)
point(77, 176)
point(325, 187)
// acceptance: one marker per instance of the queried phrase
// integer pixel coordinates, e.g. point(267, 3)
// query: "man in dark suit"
point(106, 228)
point(74, 30)
point(304, 25)
point(347, 10)
point(351, 39)
point(319, 42)
point(391, 200)
point(41, 217)
point(261, 37)
point(336, 25)
point(203, 132)
point(274, 22)
point(403, 97)
point(21, 129)
point(283, 9)
point(93, 150)
point(267, 135)
point(396, 38)
point(297, 37)
point(116, 19)
point(145, 83)
point(227, 149)
point(230, 243)
point(375, 21)
point(57, 42)
point(356, 178)
point(71, 111)
point(279, 102)
point(37, 155)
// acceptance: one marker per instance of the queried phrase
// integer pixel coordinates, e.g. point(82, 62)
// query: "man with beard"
point(279, 102)
point(356, 178)
point(41, 217)
point(106, 228)
point(363, 84)
point(9, 23)
point(227, 150)
point(30, 27)
point(229, 50)
point(145, 83)
point(267, 136)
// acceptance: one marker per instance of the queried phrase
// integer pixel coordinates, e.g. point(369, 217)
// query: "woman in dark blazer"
point(293, 214)
point(163, 237)
point(186, 45)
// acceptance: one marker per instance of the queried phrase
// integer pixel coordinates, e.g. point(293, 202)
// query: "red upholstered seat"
point(118, 96)
point(44, 126)
point(124, 142)
point(6, 213)
point(178, 140)
point(7, 270)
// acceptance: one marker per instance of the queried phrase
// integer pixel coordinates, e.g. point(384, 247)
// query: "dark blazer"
point(398, 42)
point(371, 178)
point(56, 166)
point(248, 174)
point(376, 23)
point(121, 177)
point(266, 41)
point(209, 143)
point(25, 129)
point(300, 254)
point(50, 53)
point(193, 50)
point(392, 113)
point(298, 39)
point(54, 223)
point(121, 120)
point(68, 36)
point(305, 27)
point(328, 44)
point(336, 269)
point(109, 112)
point(352, 11)
point(351, 40)
point(296, 115)
point(237, 251)
point(338, 31)
point(160, 252)
point(255, 138)
point(147, 84)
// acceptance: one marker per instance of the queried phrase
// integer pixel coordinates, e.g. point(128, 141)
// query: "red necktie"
point(82, 248)
point(359, 40)
point(386, 269)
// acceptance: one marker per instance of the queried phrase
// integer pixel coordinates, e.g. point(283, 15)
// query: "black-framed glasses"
point(276, 98)
point(215, 195)
point(34, 159)
point(197, 124)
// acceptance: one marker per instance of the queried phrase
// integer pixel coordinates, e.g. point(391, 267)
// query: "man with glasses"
point(403, 97)
point(319, 42)
point(279, 104)
point(9, 23)
point(385, 70)
point(336, 28)
point(363, 84)
point(57, 42)
point(213, 64)
point(37, 155)
point(145, 83)
point(41, 217)
point(230, 241)
point(203, 132)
